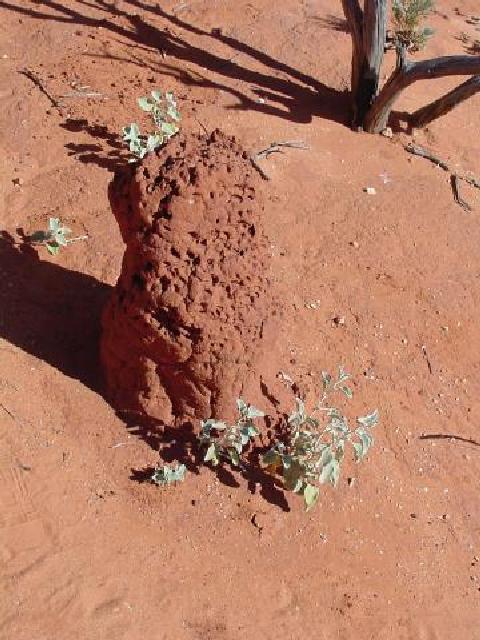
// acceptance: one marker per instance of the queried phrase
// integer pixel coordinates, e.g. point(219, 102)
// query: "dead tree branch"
point(275, 147)
point(446, 103)
point(417, 150)
point(31, 75)
point(407, 73)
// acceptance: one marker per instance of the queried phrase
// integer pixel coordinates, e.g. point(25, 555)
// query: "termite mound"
point(191, 315)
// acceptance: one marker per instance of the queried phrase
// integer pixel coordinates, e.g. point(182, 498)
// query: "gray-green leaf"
point(154, 141)
point(234, 457)
point(164, 476)
point(169, 128)
point(252, 412)
point(242, 406)
point(211, 455)
point(131, 132)
point(53, 249)
point(310, 496)
point(369, 420)
point(342, 374)
point(346, 391)
point(366, 440)
point(326, 379)
point(145, 104)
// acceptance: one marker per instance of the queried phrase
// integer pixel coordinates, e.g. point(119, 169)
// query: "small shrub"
point(54, 237)
point(315, 446)
point(165, 116)
point(228, 441)
point(165, 475)
point(407, 16)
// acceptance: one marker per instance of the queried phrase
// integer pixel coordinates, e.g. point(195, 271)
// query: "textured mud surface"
point(185, 325)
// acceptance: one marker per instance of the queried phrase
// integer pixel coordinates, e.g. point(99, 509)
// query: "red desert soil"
point(88, 551)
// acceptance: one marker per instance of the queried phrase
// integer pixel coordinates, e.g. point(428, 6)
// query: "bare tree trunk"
point(354, 17)
point(368, 31)
point(374, 37)
point(406, 74)
point(446, 103)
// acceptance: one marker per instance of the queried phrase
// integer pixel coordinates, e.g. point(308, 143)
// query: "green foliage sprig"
point(407, 17)
point(55, 237)
point(164, 476)
point(165, 117)
point(310, 455)
point(316, 443)
point(228, 441)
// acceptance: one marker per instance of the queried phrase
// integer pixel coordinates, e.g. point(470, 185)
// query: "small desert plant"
point(316, 443)
point(228, 441)
point(55, 236)
point(165, 116)
point(407, 17)
point(314, 447)
point(164, 476)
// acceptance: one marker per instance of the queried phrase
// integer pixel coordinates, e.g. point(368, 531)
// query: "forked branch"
point(446, 103)
point(406, 74)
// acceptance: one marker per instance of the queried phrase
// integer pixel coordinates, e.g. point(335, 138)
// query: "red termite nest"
point(186, 324)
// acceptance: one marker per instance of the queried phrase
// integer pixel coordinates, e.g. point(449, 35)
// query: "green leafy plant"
point(165, 117)
point(163, 476)
point(315, 445)
point(55, 236)
point(227, 442)
point(316, 442)
point(407, 17)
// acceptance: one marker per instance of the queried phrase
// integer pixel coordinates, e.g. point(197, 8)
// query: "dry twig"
point(31, 75)
point(417, 150)
point(7, 411)
point(275, 147)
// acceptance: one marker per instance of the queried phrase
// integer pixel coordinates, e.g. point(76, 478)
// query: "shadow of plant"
point(181, 445)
